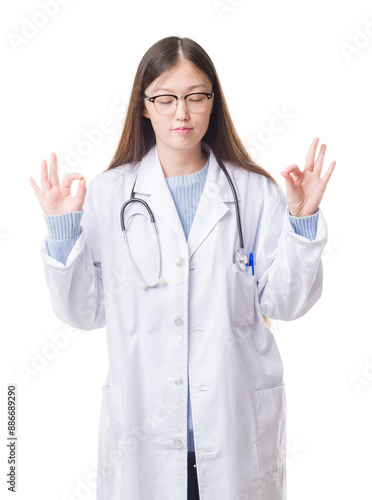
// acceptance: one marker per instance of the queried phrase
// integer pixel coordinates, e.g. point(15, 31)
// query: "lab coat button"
point(178, 322)
point(180, 261)
point(178, 443)
point(178, 381)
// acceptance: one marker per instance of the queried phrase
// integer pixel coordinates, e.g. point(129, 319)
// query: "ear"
point(145, 113)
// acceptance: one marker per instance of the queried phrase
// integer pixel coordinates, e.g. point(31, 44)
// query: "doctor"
point(195, 374)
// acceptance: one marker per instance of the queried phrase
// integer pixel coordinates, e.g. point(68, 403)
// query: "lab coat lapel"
point(151, 181)
point(212, 206)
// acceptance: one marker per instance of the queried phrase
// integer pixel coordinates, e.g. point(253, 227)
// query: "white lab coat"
point(206, 318)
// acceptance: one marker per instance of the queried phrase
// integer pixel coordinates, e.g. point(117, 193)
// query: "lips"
point(182, 130)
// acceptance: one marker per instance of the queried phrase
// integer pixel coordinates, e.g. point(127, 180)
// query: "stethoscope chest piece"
point(241, 260)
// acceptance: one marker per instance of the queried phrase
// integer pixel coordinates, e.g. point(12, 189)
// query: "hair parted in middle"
point(138, 135)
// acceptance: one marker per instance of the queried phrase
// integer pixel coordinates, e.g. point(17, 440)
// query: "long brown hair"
point(138, 136)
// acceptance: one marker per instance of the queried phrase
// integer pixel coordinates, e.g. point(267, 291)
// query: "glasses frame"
point(152, 99)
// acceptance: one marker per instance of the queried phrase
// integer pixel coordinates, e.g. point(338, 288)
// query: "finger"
point(81, 190)
point(37, 190)
point(309, 160)
point(69, 178)
point(319, 161)
point(293, 169)
point(45, 183)
point(289, 181)
point(53, 174)
point(329, 172)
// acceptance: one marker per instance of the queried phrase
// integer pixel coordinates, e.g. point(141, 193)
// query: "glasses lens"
point(165, 105)
point(196, 103)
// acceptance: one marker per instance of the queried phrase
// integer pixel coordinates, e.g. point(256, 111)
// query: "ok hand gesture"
point(55, 198)
point(305, 189)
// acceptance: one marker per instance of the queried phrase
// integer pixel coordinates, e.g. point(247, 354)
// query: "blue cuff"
point(64, 226)
point(305, 226)
point(64, 231)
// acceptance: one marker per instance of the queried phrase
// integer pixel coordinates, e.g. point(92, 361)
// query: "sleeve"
point(305, 226)
point(288, 265)
point(64, 231)
point(76, 288)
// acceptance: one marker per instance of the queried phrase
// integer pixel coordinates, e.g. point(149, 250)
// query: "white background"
point(66, 71)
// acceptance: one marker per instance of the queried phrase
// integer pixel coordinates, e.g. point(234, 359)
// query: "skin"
point(179, 154)
point(182, 154)
point(305, 189)
point(56, 198)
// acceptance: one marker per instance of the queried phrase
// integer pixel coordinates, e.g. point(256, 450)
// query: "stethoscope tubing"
point(241, 257)
point(237, 212)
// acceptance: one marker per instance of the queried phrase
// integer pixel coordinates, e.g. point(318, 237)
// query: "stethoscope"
point(240, 259)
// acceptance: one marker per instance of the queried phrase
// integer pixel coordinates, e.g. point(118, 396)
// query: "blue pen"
point(251, 262)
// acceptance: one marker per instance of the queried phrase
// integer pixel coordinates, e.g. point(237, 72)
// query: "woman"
point(194, 401)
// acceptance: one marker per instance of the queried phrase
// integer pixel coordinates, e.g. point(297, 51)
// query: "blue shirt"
point(186, 190)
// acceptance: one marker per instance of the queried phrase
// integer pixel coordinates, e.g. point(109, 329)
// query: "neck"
point(176, 162)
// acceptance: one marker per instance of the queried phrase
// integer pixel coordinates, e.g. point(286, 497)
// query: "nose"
point(181, 110)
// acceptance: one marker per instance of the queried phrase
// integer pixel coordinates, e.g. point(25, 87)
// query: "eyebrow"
point(190, 88)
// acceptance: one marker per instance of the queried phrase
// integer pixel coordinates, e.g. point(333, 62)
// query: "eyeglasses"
point(166, 104)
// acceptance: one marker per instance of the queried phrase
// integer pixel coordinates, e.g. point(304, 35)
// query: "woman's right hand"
point(55, 198)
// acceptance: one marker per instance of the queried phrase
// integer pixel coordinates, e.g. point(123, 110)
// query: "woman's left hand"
point(306, 189)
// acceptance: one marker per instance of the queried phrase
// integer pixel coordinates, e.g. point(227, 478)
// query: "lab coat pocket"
point(242, 287)
point(270, 411)
point(110, 438)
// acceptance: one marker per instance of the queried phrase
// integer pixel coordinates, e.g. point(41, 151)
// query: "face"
point(181, 80)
